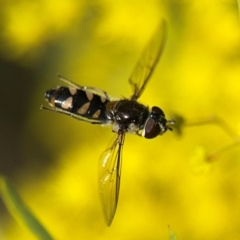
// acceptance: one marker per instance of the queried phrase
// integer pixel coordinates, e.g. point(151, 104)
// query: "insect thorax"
point(127, 115)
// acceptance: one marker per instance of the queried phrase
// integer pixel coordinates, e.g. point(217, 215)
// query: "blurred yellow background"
point(52, 159)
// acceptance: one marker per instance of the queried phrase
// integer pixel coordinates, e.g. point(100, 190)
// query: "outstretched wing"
point(109, 177)
point(93, 90)
point(145, 66)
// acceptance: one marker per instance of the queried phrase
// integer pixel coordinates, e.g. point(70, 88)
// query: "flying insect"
point(94, 105)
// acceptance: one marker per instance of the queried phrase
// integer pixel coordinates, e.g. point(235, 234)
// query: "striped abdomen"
point(84, 103)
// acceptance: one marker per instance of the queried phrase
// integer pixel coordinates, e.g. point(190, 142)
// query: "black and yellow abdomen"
point(77, 101)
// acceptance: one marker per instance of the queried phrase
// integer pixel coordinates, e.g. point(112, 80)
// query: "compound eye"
point(157, 111)
point(151, 128)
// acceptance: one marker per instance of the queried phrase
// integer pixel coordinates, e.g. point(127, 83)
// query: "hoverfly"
point(94, 106)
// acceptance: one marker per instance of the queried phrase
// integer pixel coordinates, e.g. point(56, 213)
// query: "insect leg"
point(78, 117)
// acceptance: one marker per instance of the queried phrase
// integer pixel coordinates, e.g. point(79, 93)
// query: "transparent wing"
point(109, 177)
point(93, 90)
point(146, 64)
